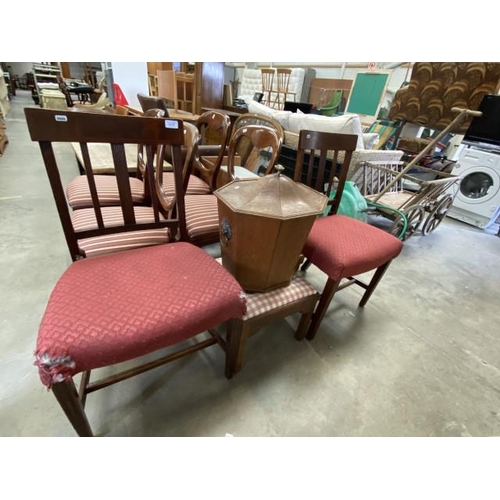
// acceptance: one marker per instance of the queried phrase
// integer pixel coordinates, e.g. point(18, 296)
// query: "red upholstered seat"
point(109, 309)
point(342, 246)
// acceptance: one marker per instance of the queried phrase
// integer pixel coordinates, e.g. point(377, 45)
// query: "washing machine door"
point(478, 185)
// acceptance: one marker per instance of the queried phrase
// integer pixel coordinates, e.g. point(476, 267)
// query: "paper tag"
point(61, 118)
point(171, 124)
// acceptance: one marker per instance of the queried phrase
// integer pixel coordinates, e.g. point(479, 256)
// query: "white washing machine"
point(477, 201)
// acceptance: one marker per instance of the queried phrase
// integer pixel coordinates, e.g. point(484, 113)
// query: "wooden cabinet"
point(192, 91)
point(209, 85)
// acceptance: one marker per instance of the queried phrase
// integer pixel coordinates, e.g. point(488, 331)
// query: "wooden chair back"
point(171, 205)
point(267, 83)
point(323, 160)
point(261, 138)
point(246, 119)
point(48, 127)
point(210, 124)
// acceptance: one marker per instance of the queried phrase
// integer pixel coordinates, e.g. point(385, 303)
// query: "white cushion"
point(344, 124)
point(260, 109)
point(283, 118)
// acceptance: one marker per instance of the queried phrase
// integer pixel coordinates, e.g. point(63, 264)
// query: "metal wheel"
point(414, 217)
point(437, 214)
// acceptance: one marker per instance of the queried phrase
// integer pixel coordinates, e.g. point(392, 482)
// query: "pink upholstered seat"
point(109, 309)
point(341, 246)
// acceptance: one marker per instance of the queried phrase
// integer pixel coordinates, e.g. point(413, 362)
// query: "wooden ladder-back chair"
point(340, 246)
point(267, 75)
point(106, 310)
point(282, 87)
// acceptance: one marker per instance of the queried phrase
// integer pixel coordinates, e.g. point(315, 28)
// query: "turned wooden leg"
point(67, 396)
point(373, 283)
point(324, 301)
point(235, 347)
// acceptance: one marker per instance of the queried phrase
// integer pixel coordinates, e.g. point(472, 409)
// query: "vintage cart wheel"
point(414, 217)
point(437, 214)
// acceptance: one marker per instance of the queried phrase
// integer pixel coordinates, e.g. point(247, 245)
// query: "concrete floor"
point(422, 358)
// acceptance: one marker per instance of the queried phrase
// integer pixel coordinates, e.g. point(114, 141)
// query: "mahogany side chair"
point(109, 309)
point(340, 246)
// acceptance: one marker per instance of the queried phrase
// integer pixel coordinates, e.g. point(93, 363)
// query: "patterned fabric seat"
point(107, 310)
point(299, 296)
point(342, 246)
point(262, 303)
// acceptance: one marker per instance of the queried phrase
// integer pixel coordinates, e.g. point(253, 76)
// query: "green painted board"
point(367, 93)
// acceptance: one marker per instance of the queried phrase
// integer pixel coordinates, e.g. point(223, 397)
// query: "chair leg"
point(305, 319)
point(373, 283)
point(235, 346)
point(331, 287)
point(66, 395)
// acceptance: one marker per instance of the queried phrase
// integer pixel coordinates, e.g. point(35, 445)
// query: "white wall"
point(20, 68)
point(132, 78)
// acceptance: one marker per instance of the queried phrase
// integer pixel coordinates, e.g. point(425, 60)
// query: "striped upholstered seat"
point(195, 185)
point(85, 220)
point(202, 219)
point(78, 192)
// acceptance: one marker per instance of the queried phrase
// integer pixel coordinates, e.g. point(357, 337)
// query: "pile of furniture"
point(252, 82)
point(293, 123)
point(149, 286)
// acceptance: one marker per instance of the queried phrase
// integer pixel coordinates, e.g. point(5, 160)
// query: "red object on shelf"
point(120, 98)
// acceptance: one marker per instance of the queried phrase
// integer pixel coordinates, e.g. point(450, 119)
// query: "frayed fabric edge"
point(54, 369)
